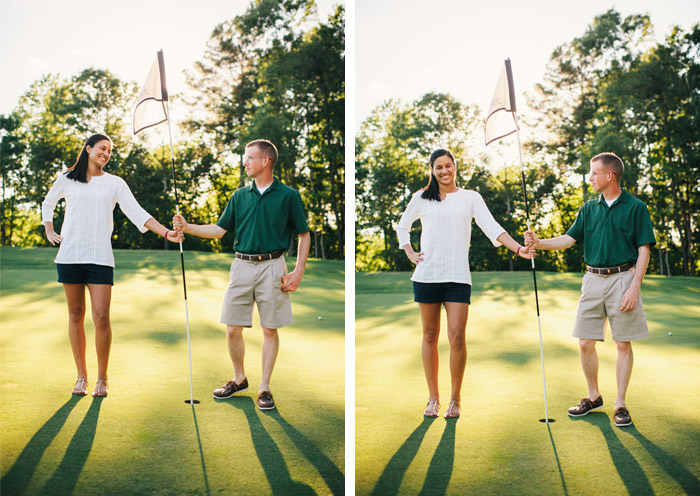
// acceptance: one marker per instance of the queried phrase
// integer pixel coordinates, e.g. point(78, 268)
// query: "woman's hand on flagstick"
point(526, 252)
point(175, 236)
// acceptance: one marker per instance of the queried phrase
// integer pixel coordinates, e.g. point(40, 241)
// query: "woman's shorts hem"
point(441, 292)
point(82, 273)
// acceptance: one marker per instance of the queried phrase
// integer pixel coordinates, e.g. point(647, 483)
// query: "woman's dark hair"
point(432, 190)
point(79, 171)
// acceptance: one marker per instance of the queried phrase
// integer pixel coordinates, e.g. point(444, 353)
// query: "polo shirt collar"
point(620, 199)
point(253, 187)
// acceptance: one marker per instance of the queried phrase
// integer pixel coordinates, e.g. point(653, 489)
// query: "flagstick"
point(191, 401)
point(546, 418)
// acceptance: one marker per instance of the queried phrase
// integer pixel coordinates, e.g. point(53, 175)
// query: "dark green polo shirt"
point(264, 223)
point(612, 235)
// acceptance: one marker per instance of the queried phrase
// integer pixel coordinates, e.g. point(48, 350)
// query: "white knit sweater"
point(446, 234)
point(88, 224)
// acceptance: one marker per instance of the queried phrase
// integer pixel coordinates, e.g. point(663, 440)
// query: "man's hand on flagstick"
point(179, 224)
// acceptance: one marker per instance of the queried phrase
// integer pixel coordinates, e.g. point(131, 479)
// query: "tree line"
point(614, 88)
point(274, 72)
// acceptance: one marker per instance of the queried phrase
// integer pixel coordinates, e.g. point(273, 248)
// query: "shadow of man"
point(683, 476)
point(269, 454)
point(629, 469)
point(441, 465)
point(65, 478)
point(20, 474)
point(390, 480)
point(334, 478)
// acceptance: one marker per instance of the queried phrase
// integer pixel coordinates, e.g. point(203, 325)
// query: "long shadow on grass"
point(17, 478)
point(390, 480)
point(683, 476)
point(440, 470)
point(556, 457)
point(65, 478)
point(201, 452)
point(629, 469)
point(269, 454)
point(334, 478)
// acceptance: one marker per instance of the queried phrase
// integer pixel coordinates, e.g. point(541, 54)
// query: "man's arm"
point(292, 280)
point(559, 243)
point(202, 231)
point(631, 296)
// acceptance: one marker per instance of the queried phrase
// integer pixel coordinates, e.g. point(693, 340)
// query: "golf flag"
point(500, 120)
point(150, 107)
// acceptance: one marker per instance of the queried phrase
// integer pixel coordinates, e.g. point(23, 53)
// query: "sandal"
point(431, 410)
point(80, 388)
point(101, 388)
point(454, 404)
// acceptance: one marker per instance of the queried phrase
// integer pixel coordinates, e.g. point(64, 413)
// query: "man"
point(264, 216)
point(617, 236)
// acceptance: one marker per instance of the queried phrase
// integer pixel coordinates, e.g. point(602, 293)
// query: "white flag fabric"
point(500, 119)
point(150, 107)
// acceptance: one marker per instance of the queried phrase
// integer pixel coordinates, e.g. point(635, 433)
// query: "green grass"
point(143, 438)
point(498, 446)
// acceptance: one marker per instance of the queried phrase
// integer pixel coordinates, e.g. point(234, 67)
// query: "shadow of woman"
point(20, 474)
point(269, 454)
point(440, 470)
point(683, 476)
point(390, 480)
point(334, 478)
point(629, 469)
point(65, 478)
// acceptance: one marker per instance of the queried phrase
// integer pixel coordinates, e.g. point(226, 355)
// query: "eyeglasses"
point(248, 157)
point(599, 173)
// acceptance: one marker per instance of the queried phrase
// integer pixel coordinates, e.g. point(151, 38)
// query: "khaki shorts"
point(259, 283)
point(601, 296)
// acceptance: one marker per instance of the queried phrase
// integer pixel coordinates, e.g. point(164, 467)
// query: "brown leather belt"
point(610, 270)
point(259, 258)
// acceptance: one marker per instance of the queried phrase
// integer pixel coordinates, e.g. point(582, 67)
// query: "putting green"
point(498, 446)
point(143, 438)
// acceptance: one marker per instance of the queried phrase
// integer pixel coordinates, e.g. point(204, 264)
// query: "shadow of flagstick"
point(441, 465)
point(65, 478)
point(269, 454)
point(683, 476)
point(334, 478)
point(556, 457)
point(201, 453)
point(390, 480)
point(629, 469)
point(22, 471)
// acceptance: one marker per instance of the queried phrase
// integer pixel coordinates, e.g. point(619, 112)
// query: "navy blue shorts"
point(440, 292)
point(85, 274)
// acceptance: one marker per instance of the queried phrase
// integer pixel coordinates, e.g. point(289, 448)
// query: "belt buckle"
point(259, 258)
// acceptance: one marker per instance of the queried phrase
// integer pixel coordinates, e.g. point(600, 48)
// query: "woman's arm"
point(514, 246)
point(161, 230)
point(47, 207)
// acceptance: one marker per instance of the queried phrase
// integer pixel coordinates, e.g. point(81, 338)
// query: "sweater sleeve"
point(136, 214)
point(485, 220)
point(52, 197)
point(403, 228)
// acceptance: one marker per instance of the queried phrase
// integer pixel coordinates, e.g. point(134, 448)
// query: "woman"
point(85, 256)
point(442, 274)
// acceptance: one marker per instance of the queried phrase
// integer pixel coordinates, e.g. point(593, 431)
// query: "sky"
point(406, 48)
point(48, 36)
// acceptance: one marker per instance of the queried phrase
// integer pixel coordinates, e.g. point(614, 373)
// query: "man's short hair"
point(267, 149)
point(612, 162)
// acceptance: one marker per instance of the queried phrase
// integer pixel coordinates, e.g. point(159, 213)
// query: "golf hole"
point(547, 421)
point(192, 402)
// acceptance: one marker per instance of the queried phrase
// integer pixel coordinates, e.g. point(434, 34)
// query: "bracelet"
point(518, 250)
point(166, 234)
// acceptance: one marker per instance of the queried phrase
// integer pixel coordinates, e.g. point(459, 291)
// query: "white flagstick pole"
point(511, 91)
point(164, 91)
